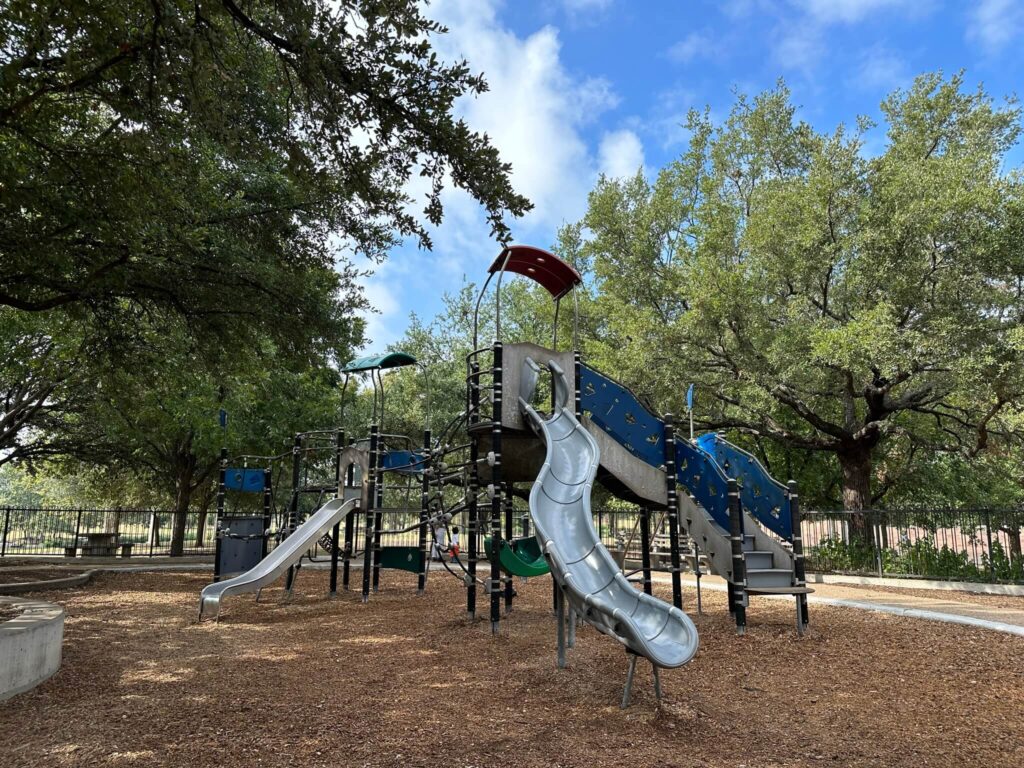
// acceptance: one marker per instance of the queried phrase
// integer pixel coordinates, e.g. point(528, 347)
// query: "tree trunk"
point(1013, 533)
point(855, 464)
point(182, 500)
point(201, 528)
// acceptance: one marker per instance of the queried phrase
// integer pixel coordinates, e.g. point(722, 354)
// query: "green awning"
point(391, 360)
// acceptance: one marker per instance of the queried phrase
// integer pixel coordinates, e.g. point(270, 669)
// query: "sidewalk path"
point(969, 609)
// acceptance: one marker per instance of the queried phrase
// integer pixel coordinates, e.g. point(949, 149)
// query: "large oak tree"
point(862, 305)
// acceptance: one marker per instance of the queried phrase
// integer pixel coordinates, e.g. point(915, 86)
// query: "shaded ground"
point(22, 575)
point(406, 681)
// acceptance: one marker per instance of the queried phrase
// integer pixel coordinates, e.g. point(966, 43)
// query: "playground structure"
point(720, 505)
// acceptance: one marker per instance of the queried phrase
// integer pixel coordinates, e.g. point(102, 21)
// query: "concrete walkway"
point(966, 610)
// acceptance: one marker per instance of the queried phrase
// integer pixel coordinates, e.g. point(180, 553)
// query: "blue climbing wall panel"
point(616, 410)
point(403, 462)
point(241, 479)
point(763, 496)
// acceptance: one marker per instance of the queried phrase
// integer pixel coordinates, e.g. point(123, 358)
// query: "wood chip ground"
point(406, 680)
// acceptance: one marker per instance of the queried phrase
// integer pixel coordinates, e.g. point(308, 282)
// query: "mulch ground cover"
point(407, 680)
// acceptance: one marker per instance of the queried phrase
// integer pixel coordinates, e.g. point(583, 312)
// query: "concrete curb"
point(20, 587)
point(918, 613)
point(30, 645)
point(78, 580)
point(910, 613)
point(974, 587)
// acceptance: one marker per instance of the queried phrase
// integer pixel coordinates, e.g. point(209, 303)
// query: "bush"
point(920, 558)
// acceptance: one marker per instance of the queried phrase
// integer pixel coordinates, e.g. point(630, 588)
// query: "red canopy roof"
point(557, 277)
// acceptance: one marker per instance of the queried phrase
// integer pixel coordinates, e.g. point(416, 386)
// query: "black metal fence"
point(952, 544)
point(137, 532)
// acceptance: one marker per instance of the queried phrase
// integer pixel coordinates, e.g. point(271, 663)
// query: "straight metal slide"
point(583, 568)
point(285, 555)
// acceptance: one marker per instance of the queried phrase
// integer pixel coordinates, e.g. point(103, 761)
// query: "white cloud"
point(799, 47)
point(853, 11)
point(666, 123)
point(994, 23)
point(801, 41)
point(880, 69)
point(575, 6)
point(694, 45)
point(621, 154)
point(535, 112)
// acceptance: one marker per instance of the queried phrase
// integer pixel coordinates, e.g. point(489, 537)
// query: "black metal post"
point(78, 532)
point(577, 364)
point(645, 547)
point(799, 570)
point(378, 520)
point(474, 488)
point(350, 519)
point(988, 537)
point(421, 581)
point(672, 498)
point(268, 506)
point(509, 533)
point(221, 495)
point(7, 527)
point(339, 492)
point(496, 499)
point(371, 496)
point(293, 506)
point(738, 582)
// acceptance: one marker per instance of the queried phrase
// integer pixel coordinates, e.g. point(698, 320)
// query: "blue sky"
point(583, 87)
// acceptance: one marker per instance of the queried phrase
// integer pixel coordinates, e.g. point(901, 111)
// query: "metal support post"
point(293, 506)
point(645, 547)
point(509, 533)
point(673, 510)
point(496, 499)
point(371, 497)
point(350, 520)
point(738, 583)
point(473, 532)
point(221, 494)
point(560, 621)
point(421, 580)
point(799, 565)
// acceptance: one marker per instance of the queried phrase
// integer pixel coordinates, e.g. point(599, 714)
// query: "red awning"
point(557, 277)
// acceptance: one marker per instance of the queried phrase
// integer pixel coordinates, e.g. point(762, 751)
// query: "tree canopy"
point(864, 306)
point(210, 171)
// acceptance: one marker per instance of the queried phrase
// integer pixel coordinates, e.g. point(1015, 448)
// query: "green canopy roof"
point(391, 360)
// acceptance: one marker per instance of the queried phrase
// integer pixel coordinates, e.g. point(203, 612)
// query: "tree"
point(217, 163)
point(859, 307)
point(157, 423)
point(290, 121)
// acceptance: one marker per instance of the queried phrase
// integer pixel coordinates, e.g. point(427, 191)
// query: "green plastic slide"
point(520, 557)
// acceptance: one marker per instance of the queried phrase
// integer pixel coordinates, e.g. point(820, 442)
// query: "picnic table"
point(99, 544)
